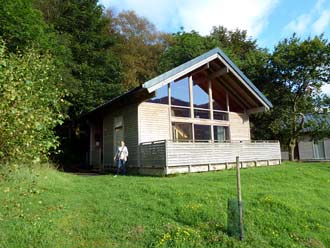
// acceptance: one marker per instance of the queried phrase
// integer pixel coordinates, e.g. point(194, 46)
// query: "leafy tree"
point(139, 46)
point(183, 47)
point(95, 72)
point(244, 52)
point(297, 70)
point(22, 26)
point(31, 105)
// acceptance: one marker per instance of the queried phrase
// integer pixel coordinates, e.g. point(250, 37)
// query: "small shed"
point(192, 118)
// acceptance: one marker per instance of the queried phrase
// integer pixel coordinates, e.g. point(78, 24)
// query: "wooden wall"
point(239, 126)
point(306, 151)
point(327, 148)
point(165, 157)
point(214, 153)
point(130, 119)
point(153, 121)
point(153, 154)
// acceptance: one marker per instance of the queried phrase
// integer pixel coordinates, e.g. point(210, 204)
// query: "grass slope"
point(285, 206)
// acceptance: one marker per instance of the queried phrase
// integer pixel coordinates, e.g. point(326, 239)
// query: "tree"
point(31, 105)
point(94, 72)
point(22, 26)
point(244, 52)
point(297, 70)
point(183, 47)
point(139, 46)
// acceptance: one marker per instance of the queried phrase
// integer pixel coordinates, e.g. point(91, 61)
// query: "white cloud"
point(201, 16)
point(322, 22)
point(299, 25)
point(315, 21)
point(326, 89)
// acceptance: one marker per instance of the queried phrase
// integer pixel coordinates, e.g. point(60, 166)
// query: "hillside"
point(285, 206)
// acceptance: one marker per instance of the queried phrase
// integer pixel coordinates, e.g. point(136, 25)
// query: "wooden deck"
point(168, 157)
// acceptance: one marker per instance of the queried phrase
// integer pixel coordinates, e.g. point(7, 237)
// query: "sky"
point(267, 21)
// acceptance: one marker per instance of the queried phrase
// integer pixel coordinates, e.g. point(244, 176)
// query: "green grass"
point(285, 206)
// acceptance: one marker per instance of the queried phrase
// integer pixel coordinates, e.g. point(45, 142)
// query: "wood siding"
point(239, 126)
point(306, 150)
point(154, 122)
point(130, 123)
point(153, 154)
point(327, 148)
point(215, 153)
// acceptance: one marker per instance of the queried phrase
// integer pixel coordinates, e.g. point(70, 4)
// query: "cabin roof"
point(193, 64)
point(186, 68)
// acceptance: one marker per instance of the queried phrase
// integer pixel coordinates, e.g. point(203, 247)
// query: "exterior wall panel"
point(130, 126)
point(154, 122)
point(239, 126)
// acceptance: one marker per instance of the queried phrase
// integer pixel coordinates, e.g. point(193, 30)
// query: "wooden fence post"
point(240, 207)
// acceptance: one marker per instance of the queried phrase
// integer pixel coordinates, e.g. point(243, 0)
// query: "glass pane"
point(180, 112)
point(218, 106)
point(319, 150)
point(220, 133)
point(220, 116)
point(161, 96)
point(200, 95)
point(202, 132)
point(180, 93)
point(181, 131)
point(219, 96)
point(203, 114)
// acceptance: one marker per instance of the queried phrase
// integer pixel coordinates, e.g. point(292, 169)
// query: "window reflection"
point(161, 96)
point(201, 114)
point(180, 93)
point(200, 95)
point(202, 132)
point(180, 112)
point(181, 131)
point(220, 133)
point(220, 116)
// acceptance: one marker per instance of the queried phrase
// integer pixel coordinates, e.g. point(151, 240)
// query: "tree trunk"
point(292, 147)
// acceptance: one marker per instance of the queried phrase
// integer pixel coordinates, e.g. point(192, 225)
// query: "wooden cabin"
point(192, 118)
point(310, 148)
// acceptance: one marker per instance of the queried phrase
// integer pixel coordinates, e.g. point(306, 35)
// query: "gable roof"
point(179, 71)
point(195, 63)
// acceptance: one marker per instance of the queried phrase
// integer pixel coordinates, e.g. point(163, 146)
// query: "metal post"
point(239, 199)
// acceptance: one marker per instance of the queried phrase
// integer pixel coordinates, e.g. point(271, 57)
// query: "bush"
point(31, 105)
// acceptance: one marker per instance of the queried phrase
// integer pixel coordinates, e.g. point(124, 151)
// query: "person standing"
point(121, 158)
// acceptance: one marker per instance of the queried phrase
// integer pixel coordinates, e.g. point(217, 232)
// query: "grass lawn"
point(285, 206)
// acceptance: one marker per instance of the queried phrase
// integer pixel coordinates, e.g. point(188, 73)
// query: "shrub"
point(31, 105)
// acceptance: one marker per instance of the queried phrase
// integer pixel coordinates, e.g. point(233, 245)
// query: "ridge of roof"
point(215, 51)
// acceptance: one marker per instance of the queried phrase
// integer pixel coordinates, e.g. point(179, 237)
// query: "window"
point(202, 114)
point(219, 115)
point(318, 148)
point(180, 112)
point(200, 95)
point(182, 131)
point(161, 96)
point(202, 132)
point(180, 93)
point(220, 133)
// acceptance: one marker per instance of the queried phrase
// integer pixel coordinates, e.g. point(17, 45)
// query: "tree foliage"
point(31, 106)
point(297, 70)
point(95, 72)
point(183, 47)
point(21, 26)
point(139, 46)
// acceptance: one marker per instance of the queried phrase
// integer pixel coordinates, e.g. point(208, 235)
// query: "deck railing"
point(167, 153)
